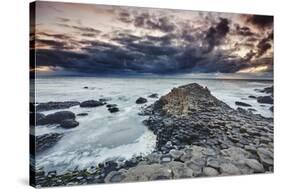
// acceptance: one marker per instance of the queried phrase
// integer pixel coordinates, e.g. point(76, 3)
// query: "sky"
point(88, 39)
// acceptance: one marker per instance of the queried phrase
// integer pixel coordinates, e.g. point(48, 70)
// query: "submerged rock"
point(91, 104)
point(69, 123)
point(154, 95)
point(242, 104)
point(82, 114)
point(55, 105)
point(141, 100)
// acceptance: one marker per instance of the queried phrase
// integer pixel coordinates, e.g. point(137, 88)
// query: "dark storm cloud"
point(139, 55)
point(50, 43)
point(216, 34)
point(264, 44)
point(260, 21)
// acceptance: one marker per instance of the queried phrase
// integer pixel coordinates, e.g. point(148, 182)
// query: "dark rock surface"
point(55, 105)
point(141, 100)
point(242, 104)
point(113, 109)
point(56, 118)
point(265, 99)
point(82, 114)
point(46, 141)
point(91, 104)
point(252, 96)
point(154, 95)
point(69, 123)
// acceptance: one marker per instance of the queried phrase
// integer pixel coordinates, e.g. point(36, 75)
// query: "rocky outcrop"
point(55, 105)
point(197, 135)
point(46, 141)
point(91, 104)
point(56, 118)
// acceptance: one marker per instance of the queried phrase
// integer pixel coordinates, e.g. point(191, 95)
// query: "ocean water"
point(102, 135)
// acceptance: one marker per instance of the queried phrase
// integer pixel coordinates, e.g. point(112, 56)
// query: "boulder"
point(265, 99)
point(229, 169)
point(265, 156)
point(255, 165)
point(242, 104)
point(209, 171)
point(56, 118)
point(91, 104)
point(55, 105)
point(141, 100)
point(69, 123)
point(43, 142)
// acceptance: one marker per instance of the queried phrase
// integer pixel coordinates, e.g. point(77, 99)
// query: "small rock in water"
point(86, 87)
point(141, 100)
point(69, 123)
point(113, 109)
point(91, 104)
point(242, 104)
point(154, 95)
point(82, 114)
point(265, 99)
point(251, 96)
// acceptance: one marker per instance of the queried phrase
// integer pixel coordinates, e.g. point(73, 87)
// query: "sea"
point(103, 136)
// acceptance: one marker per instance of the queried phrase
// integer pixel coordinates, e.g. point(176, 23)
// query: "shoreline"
point(196, 136)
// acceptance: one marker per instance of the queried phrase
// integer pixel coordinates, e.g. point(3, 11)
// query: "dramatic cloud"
point(216, 34)
point(137, 40)
point(260, 21)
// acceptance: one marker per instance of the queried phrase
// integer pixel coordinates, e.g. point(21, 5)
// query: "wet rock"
point(154, 95)
point(209, 171)
point(242, 104)
point(46, 141)
point(268, 90)
point(255, 165)
point(265, 99)
point(82, 114)
point(251, 96)
point(271, 108)
point(91, 104)
point(56, 118)
point(105, 99)
point(86, 87)
point(69, 123)
point(113, 109)
point(141, 100)
point(55, 105)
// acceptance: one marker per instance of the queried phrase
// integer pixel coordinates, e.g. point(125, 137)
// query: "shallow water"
point(102, 135)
